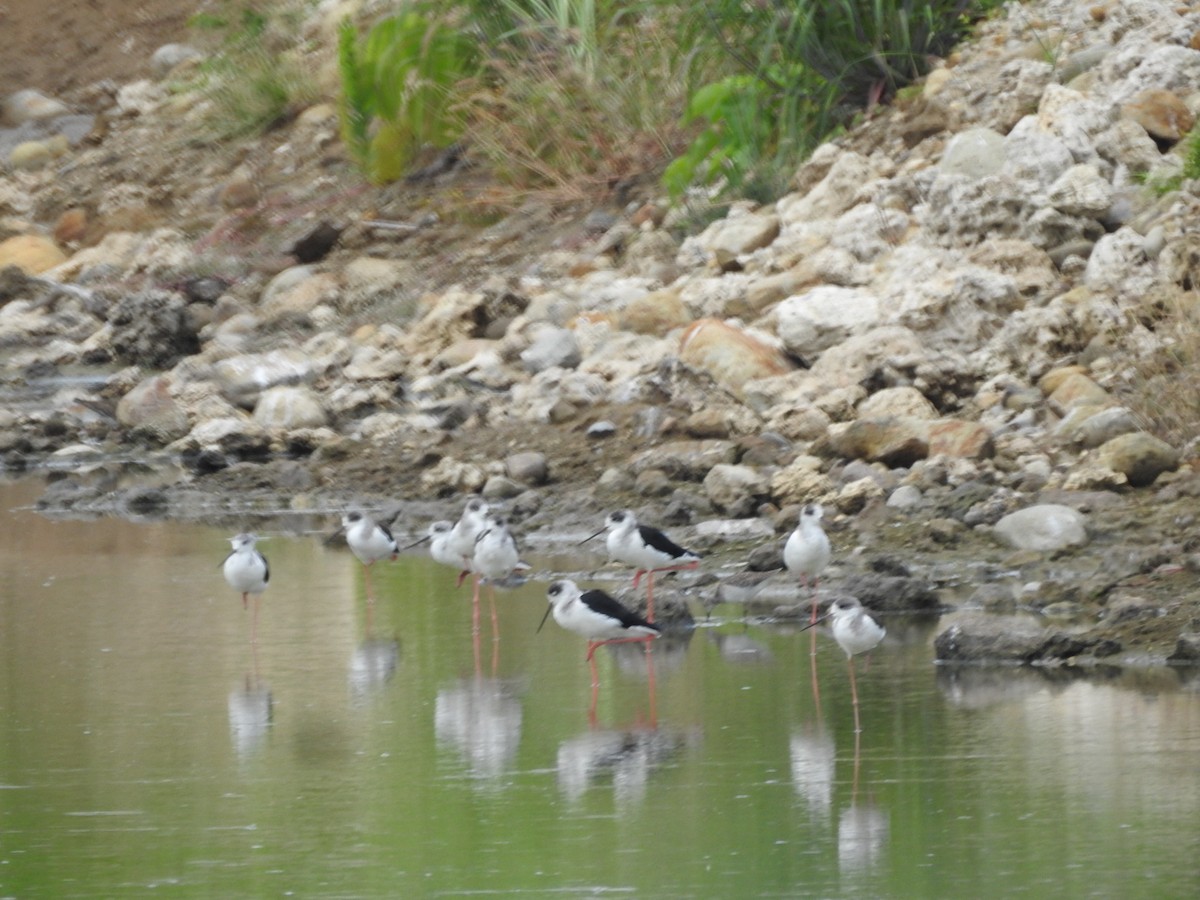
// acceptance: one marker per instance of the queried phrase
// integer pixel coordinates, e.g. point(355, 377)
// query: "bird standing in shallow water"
point(647, 549)
point(495, 558)
point(856, 632)
point(438, 538)
point(596, 616)
point(247, 572)
point(369, 541)
point(806, 552)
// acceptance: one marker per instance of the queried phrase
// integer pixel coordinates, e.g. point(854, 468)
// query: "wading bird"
point(647, 549)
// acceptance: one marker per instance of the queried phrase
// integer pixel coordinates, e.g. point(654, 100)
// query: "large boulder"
point(1044, 528)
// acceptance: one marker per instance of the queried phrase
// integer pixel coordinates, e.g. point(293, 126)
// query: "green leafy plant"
point(806, 69)
point(398, 90)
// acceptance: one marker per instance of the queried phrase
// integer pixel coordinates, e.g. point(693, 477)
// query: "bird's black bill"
point(417, 543)
point(596, 535)
point(544, 618)
point(820, 619)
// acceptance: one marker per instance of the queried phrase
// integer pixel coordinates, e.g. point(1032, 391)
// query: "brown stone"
point(731, 355)
point(954, 437)
point(892, 440)
point(71, 226)
point(1078, 389)
point(1162, 113)
point(655, 313)
point(31, 253)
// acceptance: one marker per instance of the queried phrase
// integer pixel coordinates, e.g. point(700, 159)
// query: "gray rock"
point(150, 409)
point(168, 56)
point(1010, 639)
point(811, 322)
point(152, 329)
point(891, 593)
point(974, 153)
point(1187, 649)
point(1139, 456)
point(528, 467)
point(736, 490)
point(500, 487)
point(242, 378)
point(1043, 528)
point(551, 347)
point(688, 460)
point(290, 408)
point(907, 496)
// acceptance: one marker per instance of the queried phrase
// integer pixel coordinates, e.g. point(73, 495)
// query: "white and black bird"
point(856, 632)
point(438, 538)
point(369, 541)
point(247, 572)
point(465, 533)
point(596, 616)
point(496, 557)
point(647, 549)
point(807, 551)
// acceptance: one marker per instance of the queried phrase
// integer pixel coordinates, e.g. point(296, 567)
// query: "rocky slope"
point(931, 334)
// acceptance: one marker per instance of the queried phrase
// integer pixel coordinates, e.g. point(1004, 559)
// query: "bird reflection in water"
point(627, 756)
point(481, 719)
point(813, 757)
point(373, 664)
point(863, 826)
point(250, 710)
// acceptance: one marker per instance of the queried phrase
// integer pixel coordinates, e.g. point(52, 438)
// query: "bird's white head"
point(243, 540)
point(812, 512)
point(621, 520)
point(559, 594)
point(352, 518)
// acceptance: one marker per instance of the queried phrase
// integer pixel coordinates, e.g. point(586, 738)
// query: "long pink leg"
point(370, 587)
point(650, 596)
point(475, 606)
point(254, 623)
point(854, 696)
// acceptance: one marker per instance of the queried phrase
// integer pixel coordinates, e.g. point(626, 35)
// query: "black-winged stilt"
point(495, 558)
point(806, 553)
point(856, 632)
point(596, 616)
point(247, 572)
point(647, 549)
point(369, 541)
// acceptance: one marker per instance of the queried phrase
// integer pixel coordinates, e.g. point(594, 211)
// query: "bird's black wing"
point(663, 544)
point(614, 609)
point(266, 569)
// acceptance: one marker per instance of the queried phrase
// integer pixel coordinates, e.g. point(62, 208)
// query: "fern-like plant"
point(397, 90)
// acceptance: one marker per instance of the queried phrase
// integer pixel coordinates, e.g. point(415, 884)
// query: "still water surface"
point(149, 749)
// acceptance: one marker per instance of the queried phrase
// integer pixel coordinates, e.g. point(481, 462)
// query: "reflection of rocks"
point(862, 838)
point(813, 755)
point(373, 664)
point(629, 756)
point(978, 638)
point(482, 719)
point(249, 715)
point(978, 687)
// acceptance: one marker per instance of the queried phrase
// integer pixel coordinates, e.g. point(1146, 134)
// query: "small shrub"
point(249, 84)
point(397, 90)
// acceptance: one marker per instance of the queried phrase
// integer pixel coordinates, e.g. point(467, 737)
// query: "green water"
point(149, 750)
